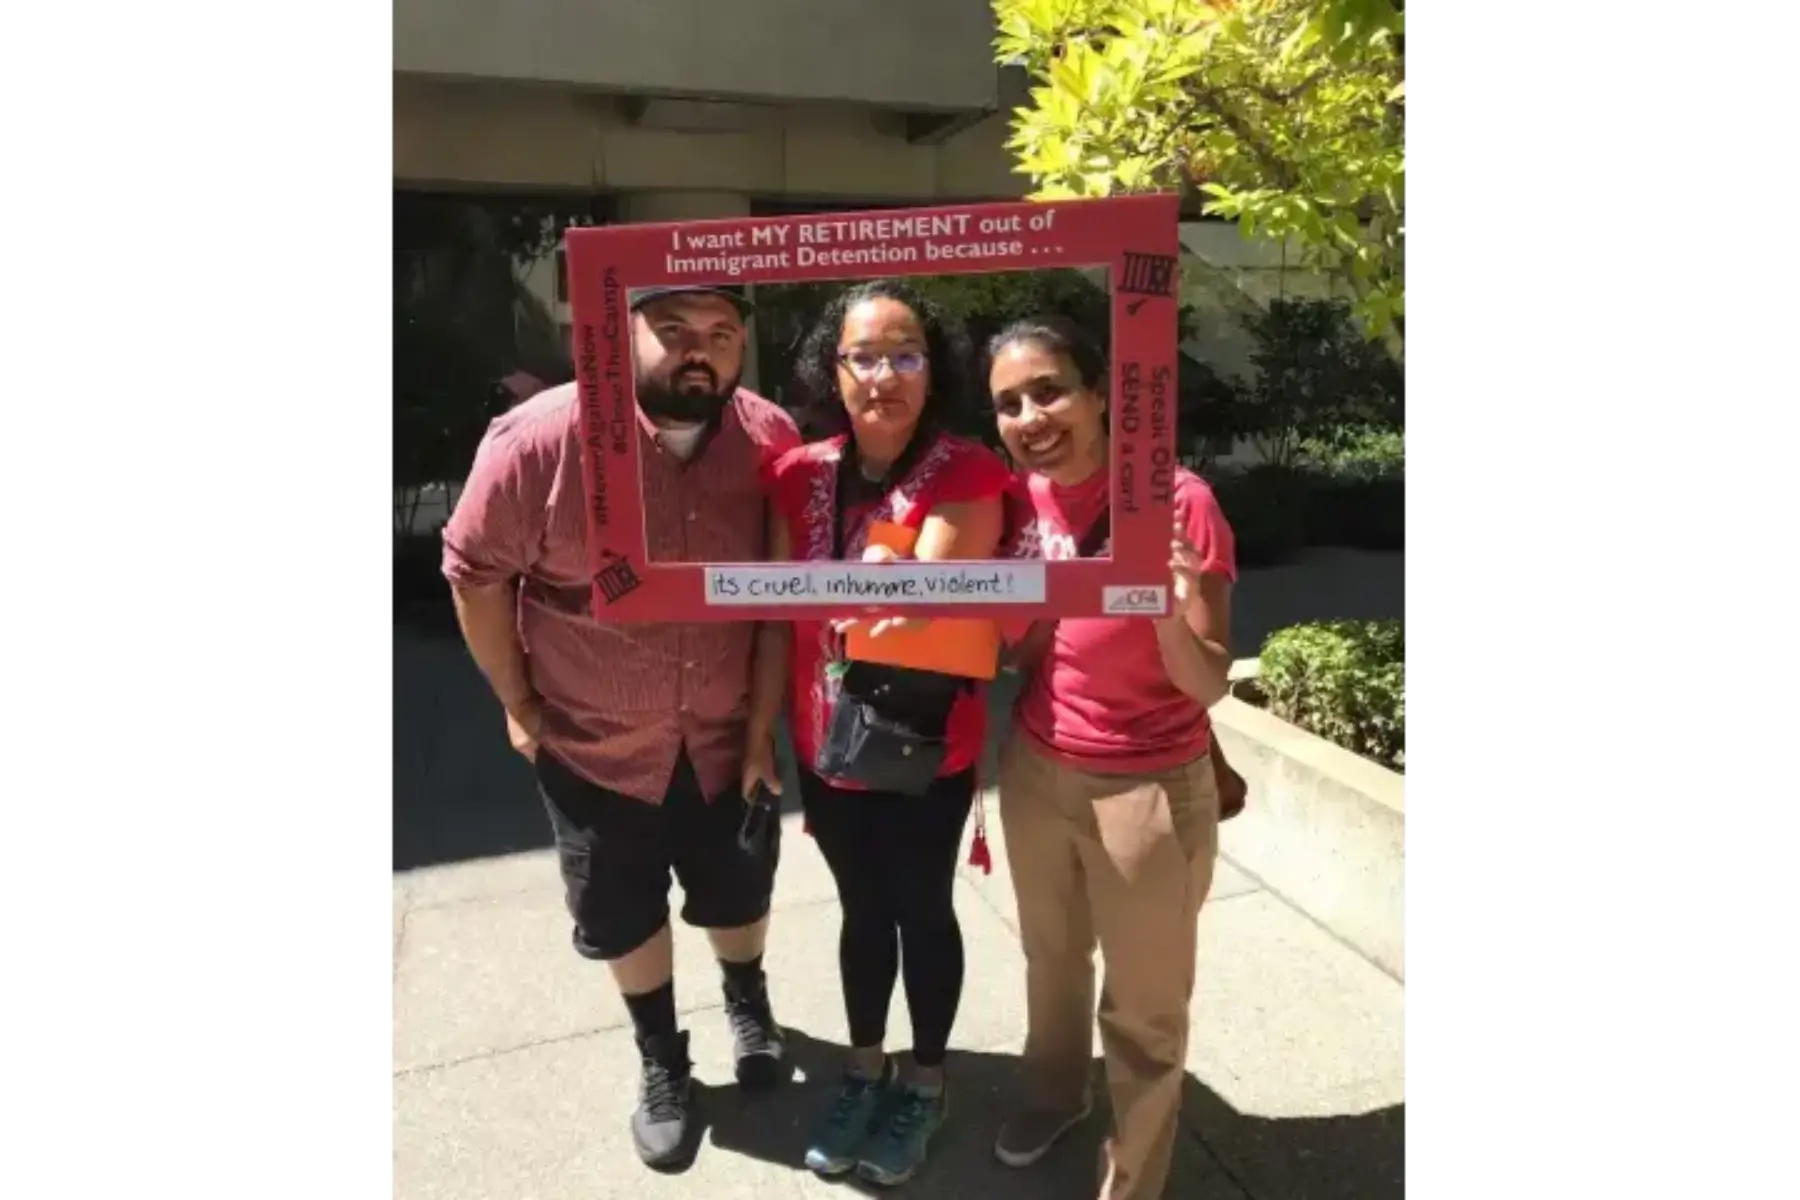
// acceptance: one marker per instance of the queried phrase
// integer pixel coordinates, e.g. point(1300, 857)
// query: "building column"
point(648, 207)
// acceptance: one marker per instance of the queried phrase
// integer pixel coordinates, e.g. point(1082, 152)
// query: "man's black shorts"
point(616, 853)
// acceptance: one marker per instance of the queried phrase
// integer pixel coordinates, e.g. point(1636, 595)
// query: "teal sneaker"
point(847, 1122)
point(894, 1152)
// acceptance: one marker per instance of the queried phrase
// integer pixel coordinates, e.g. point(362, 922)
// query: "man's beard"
point(671, 402)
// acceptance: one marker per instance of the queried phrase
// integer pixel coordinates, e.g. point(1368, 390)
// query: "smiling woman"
point(1109, 785)
point(1048, 387)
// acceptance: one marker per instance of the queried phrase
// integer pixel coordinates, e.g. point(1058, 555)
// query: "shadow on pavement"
point(461, 793)
point(1226, 1153)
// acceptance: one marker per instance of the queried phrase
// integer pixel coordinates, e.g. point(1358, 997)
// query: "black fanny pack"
point(889, 725)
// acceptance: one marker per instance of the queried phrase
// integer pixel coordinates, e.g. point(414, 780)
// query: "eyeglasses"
point(866, 364)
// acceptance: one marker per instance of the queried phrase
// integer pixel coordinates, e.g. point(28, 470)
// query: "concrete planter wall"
point(1324, 828)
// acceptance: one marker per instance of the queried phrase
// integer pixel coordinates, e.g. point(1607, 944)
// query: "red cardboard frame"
point(1134, 237)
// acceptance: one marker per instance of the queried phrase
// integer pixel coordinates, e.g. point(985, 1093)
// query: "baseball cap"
point(643, 296)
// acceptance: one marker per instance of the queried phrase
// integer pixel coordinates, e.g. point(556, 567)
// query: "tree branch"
point(1281, 173)
point(1292, 94)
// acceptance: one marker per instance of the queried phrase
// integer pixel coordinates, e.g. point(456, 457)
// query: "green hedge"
point(1357, 452)
point(1267, 509)
point(1364, 514)
point(1343, 680)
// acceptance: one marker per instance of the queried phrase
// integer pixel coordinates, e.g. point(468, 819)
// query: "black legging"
point(894, 859)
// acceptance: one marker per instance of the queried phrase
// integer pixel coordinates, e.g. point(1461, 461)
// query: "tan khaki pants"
point(1124, 861)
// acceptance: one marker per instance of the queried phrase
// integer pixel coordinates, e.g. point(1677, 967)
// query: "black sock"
point(743, 978)
point(653, 1013)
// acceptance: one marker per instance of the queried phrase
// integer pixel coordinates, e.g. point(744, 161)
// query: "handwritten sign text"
point(875, 583)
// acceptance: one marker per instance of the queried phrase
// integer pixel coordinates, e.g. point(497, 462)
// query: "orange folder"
point(967, 646)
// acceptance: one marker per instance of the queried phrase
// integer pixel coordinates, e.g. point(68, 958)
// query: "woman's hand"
point(1184, 570)
point(1194, 638)
point(878, 554)
point(882, 626)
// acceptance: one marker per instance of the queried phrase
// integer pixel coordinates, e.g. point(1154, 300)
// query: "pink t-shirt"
point(1101, 699)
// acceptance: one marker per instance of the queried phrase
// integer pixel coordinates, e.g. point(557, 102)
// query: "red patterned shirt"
point(952, 470)
point(620, 701)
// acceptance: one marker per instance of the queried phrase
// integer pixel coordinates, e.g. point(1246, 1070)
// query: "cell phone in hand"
point(762, 813)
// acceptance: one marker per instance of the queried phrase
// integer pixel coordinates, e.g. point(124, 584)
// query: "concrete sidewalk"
point(514, 1069)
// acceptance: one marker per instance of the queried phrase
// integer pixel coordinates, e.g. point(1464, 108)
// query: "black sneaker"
point(662, 1120)
point(757, 1041)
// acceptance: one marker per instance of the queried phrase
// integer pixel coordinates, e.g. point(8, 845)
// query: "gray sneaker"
point(758, 1045)
point(662, 1123)
point(1028, 1136)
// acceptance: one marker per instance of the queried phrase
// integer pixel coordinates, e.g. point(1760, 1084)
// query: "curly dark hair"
point(950, 402)
point(1060, 336)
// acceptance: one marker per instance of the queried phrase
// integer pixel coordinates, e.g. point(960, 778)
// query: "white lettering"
point(1134, 601)
point(866, 256)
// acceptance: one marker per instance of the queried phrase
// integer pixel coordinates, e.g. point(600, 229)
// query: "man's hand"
point(759, 768)
point(489, 617)
point(524, 726)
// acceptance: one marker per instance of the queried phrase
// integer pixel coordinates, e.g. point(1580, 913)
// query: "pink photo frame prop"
point(1133, 237)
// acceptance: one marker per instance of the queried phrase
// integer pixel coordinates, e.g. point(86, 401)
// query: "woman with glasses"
point(889, 374)
point(1108, 797)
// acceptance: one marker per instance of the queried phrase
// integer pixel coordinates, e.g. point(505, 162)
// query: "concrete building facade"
point(692, 109)
point(704, 108)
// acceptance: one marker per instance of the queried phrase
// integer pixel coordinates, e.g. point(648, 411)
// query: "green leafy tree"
point(1288, 115)
point(462, 322)
point(1314, 377)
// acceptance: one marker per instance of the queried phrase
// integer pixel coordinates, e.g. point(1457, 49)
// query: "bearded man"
point(638, 731)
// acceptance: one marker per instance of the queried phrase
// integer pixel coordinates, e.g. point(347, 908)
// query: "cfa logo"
point(1134, 601)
